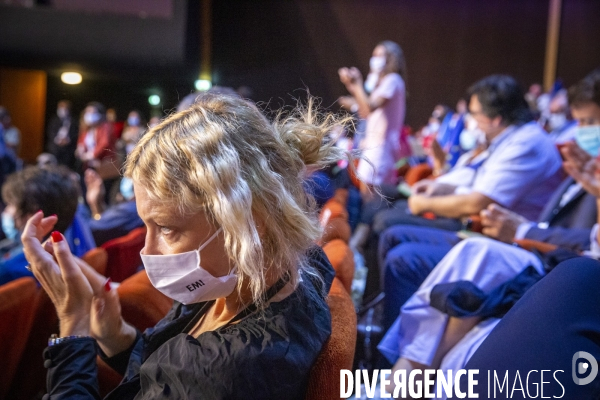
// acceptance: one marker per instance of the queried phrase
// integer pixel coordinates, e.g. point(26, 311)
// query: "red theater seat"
point(17, 308)
point(338, 351)
point(124, 255)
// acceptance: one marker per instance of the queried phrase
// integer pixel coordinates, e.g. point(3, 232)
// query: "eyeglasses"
point(475, 113)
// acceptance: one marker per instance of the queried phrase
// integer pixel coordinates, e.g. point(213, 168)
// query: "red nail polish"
point(56, 237)
point(107, 285)
point(54, 215)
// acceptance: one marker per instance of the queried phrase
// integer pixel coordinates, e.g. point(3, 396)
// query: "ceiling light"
point(71, 78)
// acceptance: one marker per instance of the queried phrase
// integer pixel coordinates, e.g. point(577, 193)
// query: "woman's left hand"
point(62, 278)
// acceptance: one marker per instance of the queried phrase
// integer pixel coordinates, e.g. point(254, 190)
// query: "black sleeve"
point(119, 362)
point(572, 239)
point(72, 370)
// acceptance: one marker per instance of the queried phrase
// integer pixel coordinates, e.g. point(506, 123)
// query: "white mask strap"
point(210, 239)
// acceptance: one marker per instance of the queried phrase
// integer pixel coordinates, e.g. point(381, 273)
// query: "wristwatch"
point(54, 339)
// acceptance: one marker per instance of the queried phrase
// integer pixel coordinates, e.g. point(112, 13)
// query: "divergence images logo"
point(584, 367)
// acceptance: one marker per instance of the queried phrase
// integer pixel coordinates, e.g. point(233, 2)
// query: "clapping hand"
point(582, 167)
point(85, 303)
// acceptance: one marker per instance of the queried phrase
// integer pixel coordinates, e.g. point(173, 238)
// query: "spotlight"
point(71, 78)
point(203, 84)
point(154, 100)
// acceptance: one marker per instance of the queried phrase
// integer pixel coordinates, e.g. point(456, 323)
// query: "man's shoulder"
point(531, 136)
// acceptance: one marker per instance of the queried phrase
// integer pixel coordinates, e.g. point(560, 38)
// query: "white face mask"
point(377, 63)
point(62, 113)
point(471, 138)
point(181, 278)
point(557, 121)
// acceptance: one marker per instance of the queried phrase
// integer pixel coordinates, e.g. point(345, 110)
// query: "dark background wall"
point(277, 47)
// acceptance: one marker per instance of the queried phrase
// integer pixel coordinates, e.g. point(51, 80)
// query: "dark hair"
point(98, 106)
point(65, 103)
point(398, 62)
point(586, 90)
point(50, 189)
point(501, 95)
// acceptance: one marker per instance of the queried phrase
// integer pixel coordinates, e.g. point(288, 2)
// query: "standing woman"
point(230, 237)
point(384, 110)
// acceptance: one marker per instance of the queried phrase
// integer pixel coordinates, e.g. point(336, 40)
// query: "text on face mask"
point(195, 285)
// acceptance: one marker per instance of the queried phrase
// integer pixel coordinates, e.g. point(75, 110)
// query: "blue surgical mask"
point(91, 118)
point(8, 227)
point(126, 188)
point(588, 138)
point(133, 120)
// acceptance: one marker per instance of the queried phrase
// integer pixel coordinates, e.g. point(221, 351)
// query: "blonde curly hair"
point(222, 156)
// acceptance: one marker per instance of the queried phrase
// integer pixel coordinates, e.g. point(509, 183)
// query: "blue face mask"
point(8, 227)
point(126, 188)
point(588, 138)
point(133, 121)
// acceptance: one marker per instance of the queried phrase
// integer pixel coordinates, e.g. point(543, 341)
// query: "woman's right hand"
point(107, 326)
point(351, 78)
point(60, 275)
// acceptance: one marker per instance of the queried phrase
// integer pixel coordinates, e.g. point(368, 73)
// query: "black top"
point(265, 355)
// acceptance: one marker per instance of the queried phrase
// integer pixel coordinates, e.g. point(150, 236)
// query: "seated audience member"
point(153, 122)
point(560, 125)
point(446, 148)
point(519, 170)
point(62, 135)
point(78, 233)
point(10, 133)
point(408, 254)
point(8, 158)
point(132, 132)
point(24, 193)
point(117, 126)
point(519, 154)
point(115, 221)
point(96, 140)
point(424, 336)
point(220, 191)
point(46, 160)
point(532, 95)
point(420, 141)
point(544, 330)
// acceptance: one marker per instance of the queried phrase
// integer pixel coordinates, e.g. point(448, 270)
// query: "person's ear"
point(497, 121)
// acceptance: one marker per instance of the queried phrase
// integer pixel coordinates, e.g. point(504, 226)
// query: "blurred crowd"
point(456, 220)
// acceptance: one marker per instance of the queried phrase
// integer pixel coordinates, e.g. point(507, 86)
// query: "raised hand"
point(582, 167)
point(59, 275)
point(107, 326)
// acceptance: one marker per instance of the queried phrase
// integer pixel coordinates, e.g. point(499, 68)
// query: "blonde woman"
point(230, 239)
